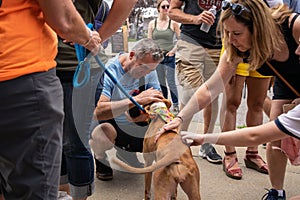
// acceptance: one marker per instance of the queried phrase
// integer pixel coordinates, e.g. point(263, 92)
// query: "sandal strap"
point(235, 171)
point(229, 153)
point(251, 152)
point(232, 163)
point(255, 156)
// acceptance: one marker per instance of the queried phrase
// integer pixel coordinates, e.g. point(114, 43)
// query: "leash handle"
point(113, 79)
point(82, 67)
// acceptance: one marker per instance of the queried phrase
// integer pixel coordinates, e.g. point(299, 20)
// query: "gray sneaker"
point(207, 151)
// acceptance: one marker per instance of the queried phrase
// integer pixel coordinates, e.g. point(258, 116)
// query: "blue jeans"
point(77, 159)
point(166, 70)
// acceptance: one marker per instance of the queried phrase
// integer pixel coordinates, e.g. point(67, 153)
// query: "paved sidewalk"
point(214, 183)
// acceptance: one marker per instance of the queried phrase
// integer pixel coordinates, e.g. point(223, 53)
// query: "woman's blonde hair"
point(264, 26)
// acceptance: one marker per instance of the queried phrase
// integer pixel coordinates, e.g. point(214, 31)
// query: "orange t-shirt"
point(28, 44)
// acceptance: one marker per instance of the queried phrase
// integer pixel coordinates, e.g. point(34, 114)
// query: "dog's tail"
point(165, 161)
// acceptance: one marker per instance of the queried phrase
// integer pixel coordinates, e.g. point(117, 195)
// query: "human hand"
point(190, 138)
point(206, 17)
point(174, 124)
point(93, 44)
point(148, 96)
point(296, 101)
point(170, 53)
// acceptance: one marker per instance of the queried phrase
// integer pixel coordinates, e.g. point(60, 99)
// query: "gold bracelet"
point(91, 37)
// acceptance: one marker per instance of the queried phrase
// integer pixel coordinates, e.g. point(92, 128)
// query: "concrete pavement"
point(214, 183)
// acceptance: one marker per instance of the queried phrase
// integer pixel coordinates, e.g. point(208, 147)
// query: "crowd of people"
point(48, 140)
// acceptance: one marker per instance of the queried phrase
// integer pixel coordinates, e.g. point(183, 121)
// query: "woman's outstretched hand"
point(174, 124)
point(190, 138)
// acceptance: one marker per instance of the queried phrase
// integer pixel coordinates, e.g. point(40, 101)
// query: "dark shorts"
point(129, 139)
point(31, 117)
point(282, 91)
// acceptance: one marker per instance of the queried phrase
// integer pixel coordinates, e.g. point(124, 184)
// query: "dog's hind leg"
point(191, 186)
point(148, 179)
point(164, 185)
point(149, 158)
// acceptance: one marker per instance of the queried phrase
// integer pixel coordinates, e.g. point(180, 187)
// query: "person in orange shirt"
point(31, 109)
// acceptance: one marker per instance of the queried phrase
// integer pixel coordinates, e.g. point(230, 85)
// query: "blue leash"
point(83, 66)
point(117, 83)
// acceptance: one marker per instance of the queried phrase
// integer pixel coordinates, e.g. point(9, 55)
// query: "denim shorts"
point(31, 117)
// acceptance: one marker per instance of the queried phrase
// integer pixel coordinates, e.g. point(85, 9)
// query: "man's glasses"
point(165, 6)
point(236, 8)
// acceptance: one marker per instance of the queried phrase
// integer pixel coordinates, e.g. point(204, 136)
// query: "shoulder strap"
point(169, 27)
point(283, 79)
point(95, 5)
point(101, 15)
point(155, 23)
point(293, 21)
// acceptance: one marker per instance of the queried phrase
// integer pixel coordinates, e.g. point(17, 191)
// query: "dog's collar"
point(164, 113)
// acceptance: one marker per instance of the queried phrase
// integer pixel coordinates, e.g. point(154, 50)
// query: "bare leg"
point(231, 102)
point(102, 139)
point(276, 159)
point(65, 188)
point(257, 92)
point(267, 106)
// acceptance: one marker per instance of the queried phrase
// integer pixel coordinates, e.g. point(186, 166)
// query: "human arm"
point(63, 18)
point(107, 109)
point(251, 136)
point(150, 28)
point(207, 91)
point(176, 29)
point(177, 14)
point(287, 124)
point(296, 29)
point(118, 13)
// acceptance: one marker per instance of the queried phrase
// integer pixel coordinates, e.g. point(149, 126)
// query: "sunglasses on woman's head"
point(165, 6)
point(236, 8)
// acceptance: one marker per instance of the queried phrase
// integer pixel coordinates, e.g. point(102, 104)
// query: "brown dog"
point(174, 164)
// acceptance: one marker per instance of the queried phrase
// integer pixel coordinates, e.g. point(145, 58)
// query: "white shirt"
point(290, 121)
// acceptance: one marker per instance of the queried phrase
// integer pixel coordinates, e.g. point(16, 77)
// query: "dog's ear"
point(167, 102)
point(147, 107)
